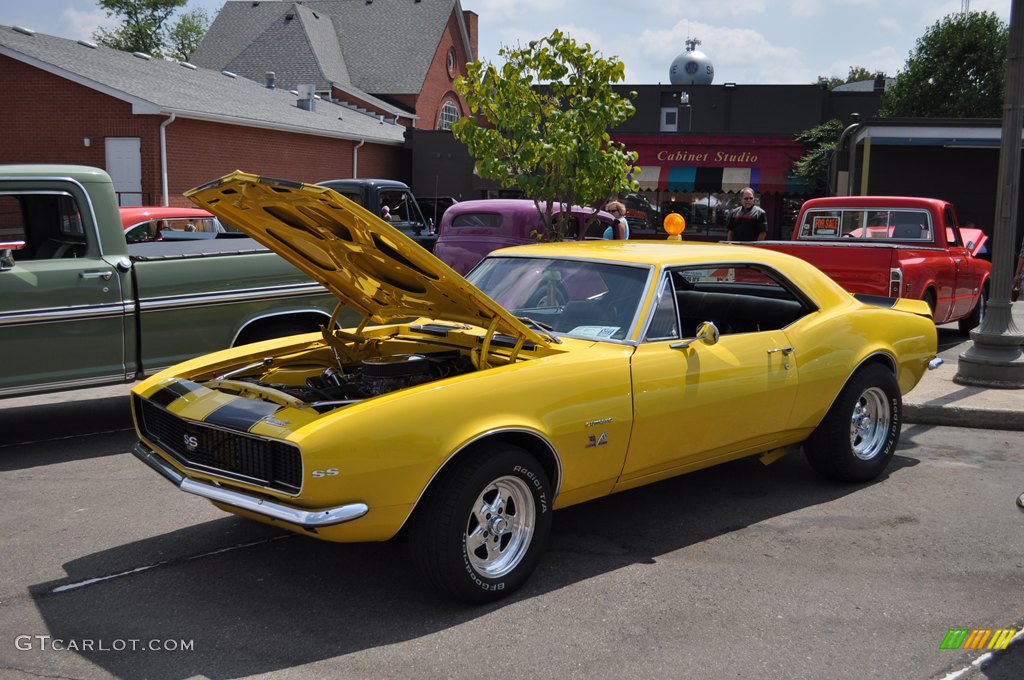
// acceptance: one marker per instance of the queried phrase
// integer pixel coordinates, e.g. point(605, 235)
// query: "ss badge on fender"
point(329, 472)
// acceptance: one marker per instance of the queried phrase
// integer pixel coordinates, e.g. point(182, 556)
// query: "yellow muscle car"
point(463, 411)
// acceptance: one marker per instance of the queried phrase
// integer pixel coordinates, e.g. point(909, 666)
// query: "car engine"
point(371, 377)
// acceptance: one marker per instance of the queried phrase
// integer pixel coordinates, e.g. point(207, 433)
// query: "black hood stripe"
point(173, 391)
point(242, 414)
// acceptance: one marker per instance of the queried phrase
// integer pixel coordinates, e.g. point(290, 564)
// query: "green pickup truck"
point(80, 307)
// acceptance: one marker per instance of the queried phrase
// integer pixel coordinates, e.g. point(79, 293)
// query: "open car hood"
point(368, 264)
point(974, 239)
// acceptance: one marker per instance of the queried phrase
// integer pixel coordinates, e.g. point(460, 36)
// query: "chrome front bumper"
point(308, 519)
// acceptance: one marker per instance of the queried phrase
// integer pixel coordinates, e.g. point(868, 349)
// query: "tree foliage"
point(820, 143)
point(184, 36)
point(143, 27)
point(956, 70)
point(540, 124)
point(857, 74)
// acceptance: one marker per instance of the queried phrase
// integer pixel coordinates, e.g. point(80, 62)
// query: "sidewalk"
point(937, 400)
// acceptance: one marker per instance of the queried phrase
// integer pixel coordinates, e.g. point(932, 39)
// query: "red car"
point(155, 223)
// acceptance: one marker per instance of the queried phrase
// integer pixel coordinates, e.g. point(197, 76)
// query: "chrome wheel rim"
point(500, 527)
point(869, 424)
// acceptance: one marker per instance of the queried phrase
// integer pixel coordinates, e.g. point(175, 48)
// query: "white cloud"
point(738, 55)
point(891, 25)
point(805, 8)
point(78, 24)
point(498, 12)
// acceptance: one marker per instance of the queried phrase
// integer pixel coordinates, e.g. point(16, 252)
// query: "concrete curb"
point(963, 416)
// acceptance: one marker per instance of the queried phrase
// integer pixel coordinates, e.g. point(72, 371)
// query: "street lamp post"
point(994, 358)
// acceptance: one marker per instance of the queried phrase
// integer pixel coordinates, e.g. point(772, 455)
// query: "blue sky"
point(748, 41)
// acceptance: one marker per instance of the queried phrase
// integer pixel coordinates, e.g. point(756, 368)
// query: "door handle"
point(105, 275)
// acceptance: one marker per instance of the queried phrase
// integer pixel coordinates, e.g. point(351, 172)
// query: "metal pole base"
point(995, 357)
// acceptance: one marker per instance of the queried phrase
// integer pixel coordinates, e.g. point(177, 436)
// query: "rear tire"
point(977, 316)
point(929, 298)
point(858, 436)
point(482, 529)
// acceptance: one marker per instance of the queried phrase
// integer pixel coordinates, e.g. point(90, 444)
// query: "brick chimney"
point(472, 21)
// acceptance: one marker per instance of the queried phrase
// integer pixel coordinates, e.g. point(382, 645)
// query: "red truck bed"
point(897, 246)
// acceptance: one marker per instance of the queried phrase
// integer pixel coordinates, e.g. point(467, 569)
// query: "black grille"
point(272, 464)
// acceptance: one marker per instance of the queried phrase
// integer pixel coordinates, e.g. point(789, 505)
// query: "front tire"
point(858, 436)
point(481, 531)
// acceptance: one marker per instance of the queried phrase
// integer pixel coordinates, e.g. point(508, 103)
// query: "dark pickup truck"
point(403, 212)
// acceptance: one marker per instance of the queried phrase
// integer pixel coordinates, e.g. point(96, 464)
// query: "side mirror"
point(7, 249)
point(707, 333)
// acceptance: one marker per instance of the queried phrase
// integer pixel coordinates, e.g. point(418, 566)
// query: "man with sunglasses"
point(746, 222)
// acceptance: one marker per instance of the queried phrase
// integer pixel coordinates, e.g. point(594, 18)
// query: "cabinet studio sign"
point(707, 156)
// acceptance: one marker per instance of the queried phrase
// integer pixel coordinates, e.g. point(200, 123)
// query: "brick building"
point(160, 127)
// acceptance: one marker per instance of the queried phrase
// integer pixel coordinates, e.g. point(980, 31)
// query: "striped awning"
point(691, 179)
point(648, 176)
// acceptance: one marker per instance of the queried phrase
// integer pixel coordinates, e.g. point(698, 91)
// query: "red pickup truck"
point(896, 246)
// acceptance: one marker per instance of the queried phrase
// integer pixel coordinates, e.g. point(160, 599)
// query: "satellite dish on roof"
point(692, 67)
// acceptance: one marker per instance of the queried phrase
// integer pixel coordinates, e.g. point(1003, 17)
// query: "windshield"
point(583, 299)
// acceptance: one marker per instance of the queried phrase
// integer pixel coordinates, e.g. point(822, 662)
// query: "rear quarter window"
point(492, 220)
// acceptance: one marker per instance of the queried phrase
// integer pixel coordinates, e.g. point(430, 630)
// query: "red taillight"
point(895, 282)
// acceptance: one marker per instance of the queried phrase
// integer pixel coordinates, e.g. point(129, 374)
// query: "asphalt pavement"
point(939, 400)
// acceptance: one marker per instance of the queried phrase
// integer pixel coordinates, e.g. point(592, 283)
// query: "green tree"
point(857, 74)
point(956, 70)
point(184, 35)
point(820, 143)
point(142, 24)
point(540, 124)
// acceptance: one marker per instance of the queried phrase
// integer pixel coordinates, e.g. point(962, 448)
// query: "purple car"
point(471, 229)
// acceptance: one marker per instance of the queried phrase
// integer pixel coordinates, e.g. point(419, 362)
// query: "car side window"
point(49, 223)
point(594, 228)
point(737, 298)
point(477, 220)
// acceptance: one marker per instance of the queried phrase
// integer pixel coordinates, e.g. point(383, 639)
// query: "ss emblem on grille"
point(191, 442)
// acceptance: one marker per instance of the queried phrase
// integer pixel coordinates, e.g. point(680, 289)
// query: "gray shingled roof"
point(289, 49)
point(155, 86)
point(862, 85)
point(382, 47)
